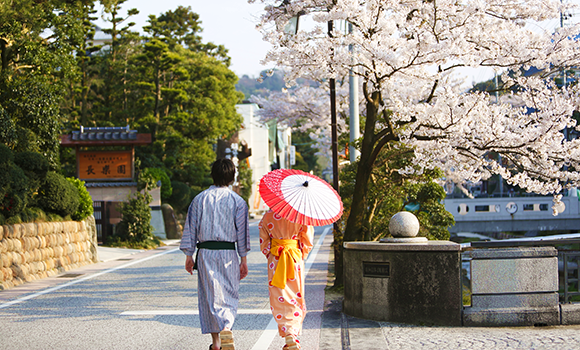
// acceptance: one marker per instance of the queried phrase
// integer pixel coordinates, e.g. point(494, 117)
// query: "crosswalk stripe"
point(189, 312)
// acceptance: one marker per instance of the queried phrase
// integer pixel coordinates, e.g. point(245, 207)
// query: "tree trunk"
point(353, 230)
point(157, 102)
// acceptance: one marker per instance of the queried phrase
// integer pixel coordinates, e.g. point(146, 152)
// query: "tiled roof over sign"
point(104, 134)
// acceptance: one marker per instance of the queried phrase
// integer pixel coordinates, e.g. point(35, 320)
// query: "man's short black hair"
point(223, 172)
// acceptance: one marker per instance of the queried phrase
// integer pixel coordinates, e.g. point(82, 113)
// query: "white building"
point(101, 38)
point(270, 145)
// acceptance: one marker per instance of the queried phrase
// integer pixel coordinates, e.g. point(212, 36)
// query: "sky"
point(232, 23)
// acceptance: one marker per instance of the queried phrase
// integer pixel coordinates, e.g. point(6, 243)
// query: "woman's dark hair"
point(223, 172)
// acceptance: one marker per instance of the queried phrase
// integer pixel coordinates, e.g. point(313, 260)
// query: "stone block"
point(172, 228)
point(513, 287)
point(157, 223)
point(518, 275)
point(510, 317)
point(514, 253)
point(569, 314)
point(411, 283)
point(524, 300)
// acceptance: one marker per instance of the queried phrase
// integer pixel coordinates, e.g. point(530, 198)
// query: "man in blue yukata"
point(217, 225)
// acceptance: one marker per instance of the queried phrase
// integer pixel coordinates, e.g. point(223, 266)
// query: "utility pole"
point(354, 111)
point(499, 155)
point(333, 128)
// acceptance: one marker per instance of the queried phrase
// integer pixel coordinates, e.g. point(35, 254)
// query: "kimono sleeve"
point(306, 236)
point(242, 227)
point(265, 240)
point(190, 227)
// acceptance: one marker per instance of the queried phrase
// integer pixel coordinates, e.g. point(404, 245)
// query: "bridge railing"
point(568, 246)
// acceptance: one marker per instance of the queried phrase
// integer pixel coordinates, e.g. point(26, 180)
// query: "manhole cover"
point(70, 275)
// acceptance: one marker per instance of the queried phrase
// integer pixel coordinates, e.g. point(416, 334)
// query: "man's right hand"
point(243, 268)
point(189, 264)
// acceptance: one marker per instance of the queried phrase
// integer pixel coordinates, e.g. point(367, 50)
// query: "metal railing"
point(571, 273)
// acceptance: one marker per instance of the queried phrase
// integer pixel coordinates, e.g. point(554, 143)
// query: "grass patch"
point(115, 242)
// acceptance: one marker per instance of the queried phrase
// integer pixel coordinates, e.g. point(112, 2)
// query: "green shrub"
point(85, 208)
point(6, 155)
point(58, 196)
point(35, 166)
point(13, 185)
point(6, 158)
point(33, 215)
point(160, 175)
point(32, 162)
point(135, 228)
point(245, 180)
point(181, 196)
point(14, 220)
point(15, 191)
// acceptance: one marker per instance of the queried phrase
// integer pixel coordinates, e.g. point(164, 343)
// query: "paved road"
point(148, 301)
point(145, 300)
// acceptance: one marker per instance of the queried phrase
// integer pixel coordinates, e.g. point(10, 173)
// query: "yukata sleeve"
point(306, 236)
point(190, 228)
point(265, 240)
point(242, 227)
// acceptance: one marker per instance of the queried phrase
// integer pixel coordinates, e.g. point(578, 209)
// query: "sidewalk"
point(343, 332)
point(106, 254)
point(340, 331)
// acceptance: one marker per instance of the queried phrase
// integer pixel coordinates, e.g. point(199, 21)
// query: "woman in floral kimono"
point(286, 245)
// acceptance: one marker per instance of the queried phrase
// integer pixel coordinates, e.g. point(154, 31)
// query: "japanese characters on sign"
point(105, 165)
point(377, 269)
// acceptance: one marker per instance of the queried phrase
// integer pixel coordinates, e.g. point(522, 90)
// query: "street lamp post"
point(333, 129)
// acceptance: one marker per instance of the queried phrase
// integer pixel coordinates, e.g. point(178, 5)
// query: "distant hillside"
point(251, 86)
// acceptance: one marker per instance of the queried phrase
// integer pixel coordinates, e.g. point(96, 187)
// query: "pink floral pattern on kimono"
point(288, 305)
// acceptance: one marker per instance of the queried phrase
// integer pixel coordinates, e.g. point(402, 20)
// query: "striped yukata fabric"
point(217, 214)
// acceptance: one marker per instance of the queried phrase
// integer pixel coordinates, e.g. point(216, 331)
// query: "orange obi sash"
point(287, 250)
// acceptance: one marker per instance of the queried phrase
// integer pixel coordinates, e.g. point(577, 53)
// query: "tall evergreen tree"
point(37, 45)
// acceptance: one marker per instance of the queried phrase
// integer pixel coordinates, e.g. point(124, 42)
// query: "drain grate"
point(124, 259)
point(70, 275)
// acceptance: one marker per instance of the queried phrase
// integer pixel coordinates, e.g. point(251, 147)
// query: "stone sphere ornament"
point(404, 224)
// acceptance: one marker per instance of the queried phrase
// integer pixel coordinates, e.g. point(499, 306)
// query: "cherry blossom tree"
point(408, 55)
point(308, 109)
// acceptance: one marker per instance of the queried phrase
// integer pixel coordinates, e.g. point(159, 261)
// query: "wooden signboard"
point(105, 165)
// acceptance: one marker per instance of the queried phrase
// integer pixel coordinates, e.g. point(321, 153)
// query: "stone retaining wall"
point(33, 251)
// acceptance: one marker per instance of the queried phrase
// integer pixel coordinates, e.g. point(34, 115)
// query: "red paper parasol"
point(301, 197)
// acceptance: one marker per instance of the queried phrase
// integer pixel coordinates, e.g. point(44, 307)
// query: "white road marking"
point(267, 336)
point(263, 342)
point(73, 282)
point(272, 328)
point(190, 312)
